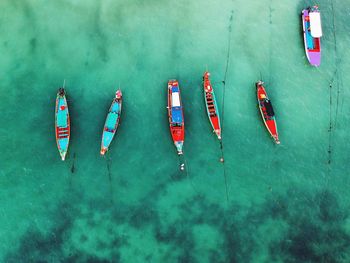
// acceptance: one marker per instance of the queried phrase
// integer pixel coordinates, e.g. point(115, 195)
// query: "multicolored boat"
point(62, 123)
point(112, 122)
point(312, 30)
point(211, 105)
point(176, 116)
point(266, 111)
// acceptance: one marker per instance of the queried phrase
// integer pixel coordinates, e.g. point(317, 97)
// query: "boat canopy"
point(112, 119)
point(176, 115)
point(63, 144)
point(268, 107)
point(315, 24)
point(175, 99)
point(62, 115)
point(115, 107)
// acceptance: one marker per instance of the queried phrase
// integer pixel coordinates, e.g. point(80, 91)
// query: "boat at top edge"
point(112, 122)
point(266, 111)
point(176, 116)
point(62, 123)
point(312, 31)
point(211, 105)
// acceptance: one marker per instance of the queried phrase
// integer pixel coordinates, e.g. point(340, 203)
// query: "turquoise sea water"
point(266, 203)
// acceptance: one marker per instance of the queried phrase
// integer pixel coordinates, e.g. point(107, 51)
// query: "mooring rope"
point(184, 168)
point(222, 159)
point(108, 160)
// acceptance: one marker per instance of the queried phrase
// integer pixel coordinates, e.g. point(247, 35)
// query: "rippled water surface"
point(266, 203)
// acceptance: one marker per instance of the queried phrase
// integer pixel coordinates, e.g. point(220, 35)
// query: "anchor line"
point(337, 62)
point(225, 76)
point(229, 46)
point(330, 128)
point(226, 187)
point(184, 162)
point(224, 84)
point(108, 160)
point(72, 170)
point(223, 104)
point(337, 79)
point(270, 42)
point(224, 169)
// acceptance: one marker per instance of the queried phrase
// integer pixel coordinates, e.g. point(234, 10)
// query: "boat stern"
point(179, 145)
point(103, 150)
point(314, 58)
point(218, 133)
point(61, 92)
point(118, 94)
point(63, 155)
point(277, 141)
point(206, 75)
point(259, 83)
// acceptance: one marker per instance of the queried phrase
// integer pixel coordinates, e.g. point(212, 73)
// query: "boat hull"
point(62, 124)
point(175, 115)
point(112, 122)
point(312, 44)
point(266, 111)
point(211, 105)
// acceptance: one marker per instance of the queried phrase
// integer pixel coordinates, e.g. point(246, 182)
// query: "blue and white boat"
point(112, 122)
point(62, 123)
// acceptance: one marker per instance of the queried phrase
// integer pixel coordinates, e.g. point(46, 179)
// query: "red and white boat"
point(176, 116)
point(211, 105)
point(266, 111)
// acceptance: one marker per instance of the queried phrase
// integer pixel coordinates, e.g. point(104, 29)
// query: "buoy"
point(222, 159)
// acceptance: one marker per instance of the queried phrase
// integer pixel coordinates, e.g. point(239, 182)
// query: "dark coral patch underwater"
point(293, 227)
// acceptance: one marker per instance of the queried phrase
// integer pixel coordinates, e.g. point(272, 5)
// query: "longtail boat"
point(112, 122)
point(62, 123)
point(211, 105)
point(266, 111)
point(176, 116)
point(312, 30)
